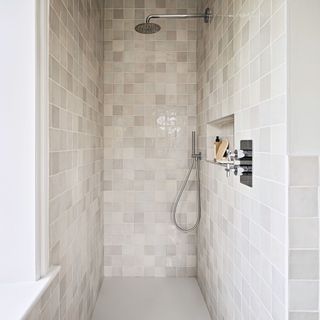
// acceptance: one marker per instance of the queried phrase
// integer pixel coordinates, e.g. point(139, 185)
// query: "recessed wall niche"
point(222, 128)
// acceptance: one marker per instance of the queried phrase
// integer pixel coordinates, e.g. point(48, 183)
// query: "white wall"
point(17, 140)
point(304, 77)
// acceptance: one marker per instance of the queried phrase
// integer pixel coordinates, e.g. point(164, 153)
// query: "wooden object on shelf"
point(222, 149)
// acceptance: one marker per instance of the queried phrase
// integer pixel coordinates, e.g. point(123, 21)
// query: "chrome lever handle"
point(233, 164)
point(238, 171)
point(235, 155)
point(239, 154)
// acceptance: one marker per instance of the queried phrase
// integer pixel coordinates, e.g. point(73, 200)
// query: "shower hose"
point(196, 164)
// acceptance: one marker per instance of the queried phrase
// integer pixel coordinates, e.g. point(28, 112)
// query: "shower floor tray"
point(150, 299)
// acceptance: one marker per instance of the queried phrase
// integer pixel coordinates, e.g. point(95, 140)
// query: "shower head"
point(147, 28)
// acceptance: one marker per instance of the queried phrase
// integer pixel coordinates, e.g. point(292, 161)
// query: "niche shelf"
point(222, 127)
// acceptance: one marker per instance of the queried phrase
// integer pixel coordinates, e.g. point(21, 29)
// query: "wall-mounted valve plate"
point(246, 162)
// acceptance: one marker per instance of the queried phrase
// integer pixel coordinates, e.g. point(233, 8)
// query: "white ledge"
point(18, 299)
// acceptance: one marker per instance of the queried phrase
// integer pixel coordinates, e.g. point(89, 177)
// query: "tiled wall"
point(76, 159)
point(304, 238)
point(242, 260)
point(149, 113)
point(150, 87)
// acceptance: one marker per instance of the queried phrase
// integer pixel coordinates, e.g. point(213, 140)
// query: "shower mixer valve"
point(233, 163)
point(240, 162)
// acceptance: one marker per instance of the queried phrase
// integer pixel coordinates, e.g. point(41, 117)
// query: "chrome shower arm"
point(206, 16)
point(173, 16)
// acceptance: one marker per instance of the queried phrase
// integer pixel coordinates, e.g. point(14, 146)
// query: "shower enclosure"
point(150, 112)
point(122, 166)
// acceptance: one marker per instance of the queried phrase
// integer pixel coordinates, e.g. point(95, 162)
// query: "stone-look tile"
point(242, 240)
point(303, 202)
point(304, 238)
point(304, 264)
point(303, 295)
point(150, 110)
point(304, 171)
point(76, 159)
point(304, 316)
point(304, 233)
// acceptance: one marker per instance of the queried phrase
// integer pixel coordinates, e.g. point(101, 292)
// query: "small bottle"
point(216, 147)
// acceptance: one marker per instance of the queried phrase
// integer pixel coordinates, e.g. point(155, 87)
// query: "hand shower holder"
point(195, 155)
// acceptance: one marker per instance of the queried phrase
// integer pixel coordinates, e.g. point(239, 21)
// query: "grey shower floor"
point(150, 299)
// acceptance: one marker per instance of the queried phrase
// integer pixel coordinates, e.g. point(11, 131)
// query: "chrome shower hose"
point(196, 164)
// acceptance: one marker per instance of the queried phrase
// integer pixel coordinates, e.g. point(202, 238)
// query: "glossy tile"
point(150, 111)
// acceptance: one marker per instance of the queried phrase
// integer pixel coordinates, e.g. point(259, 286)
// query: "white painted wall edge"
point(17, 300)
point(17, 141)
point(42, 138)
point(24, 140)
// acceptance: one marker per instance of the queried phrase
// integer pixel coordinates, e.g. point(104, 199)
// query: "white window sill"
point(17, 299)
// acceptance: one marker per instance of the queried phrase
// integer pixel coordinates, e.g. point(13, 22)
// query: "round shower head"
point(147, 28)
